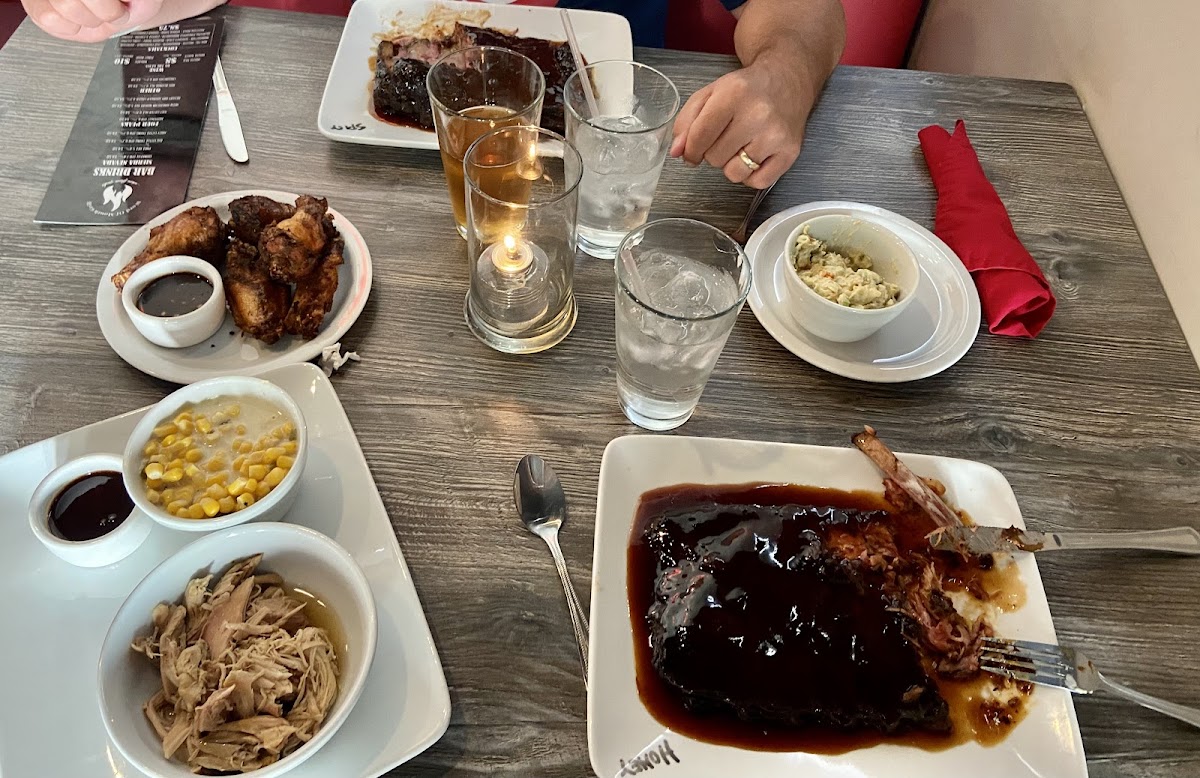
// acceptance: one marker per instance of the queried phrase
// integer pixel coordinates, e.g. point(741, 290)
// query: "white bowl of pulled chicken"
point(243, 652)
point(848, 276)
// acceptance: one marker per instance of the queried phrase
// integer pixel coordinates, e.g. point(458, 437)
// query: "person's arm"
point(89, 21)
point(788, 48)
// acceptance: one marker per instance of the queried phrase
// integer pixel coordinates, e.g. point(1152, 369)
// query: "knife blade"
point(227, 117)
point(990, 540)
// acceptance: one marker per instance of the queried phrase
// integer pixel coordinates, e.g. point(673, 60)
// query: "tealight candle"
point(511, 280)
point(511, 256)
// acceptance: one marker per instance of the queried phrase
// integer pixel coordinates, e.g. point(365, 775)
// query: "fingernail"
point(123, 32)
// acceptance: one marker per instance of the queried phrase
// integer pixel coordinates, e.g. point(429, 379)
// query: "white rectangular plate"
point(55, 616)
point(346, 113)
point(1045, 743)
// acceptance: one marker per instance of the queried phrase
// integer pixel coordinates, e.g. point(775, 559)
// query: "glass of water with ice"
point(623, 139)
point(680, 286)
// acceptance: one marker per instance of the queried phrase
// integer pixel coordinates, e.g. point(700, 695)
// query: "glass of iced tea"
point(474, 91)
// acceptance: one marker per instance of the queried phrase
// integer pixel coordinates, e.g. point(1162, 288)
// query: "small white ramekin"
point(98, 552)
point(270, 508)
point(891, 256)
point(175, 331)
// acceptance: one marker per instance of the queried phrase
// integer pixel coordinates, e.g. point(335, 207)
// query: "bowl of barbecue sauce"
point(82, 514)
point(175, 302)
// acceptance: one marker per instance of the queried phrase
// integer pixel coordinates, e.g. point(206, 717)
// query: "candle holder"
point(522, 200)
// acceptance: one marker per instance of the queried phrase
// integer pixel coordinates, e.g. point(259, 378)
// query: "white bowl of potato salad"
point(848, 276)
point(217, 453)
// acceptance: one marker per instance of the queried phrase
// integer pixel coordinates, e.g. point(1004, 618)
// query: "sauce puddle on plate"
point(982, 708)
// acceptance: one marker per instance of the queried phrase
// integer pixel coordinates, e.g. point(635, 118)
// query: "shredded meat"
point(246, 678)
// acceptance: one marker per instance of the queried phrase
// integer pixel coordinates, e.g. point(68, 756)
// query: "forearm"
point(805, 37)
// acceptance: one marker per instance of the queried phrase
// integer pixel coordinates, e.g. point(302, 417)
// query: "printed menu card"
point(130, 154)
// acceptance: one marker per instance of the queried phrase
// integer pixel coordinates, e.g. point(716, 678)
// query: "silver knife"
point(227, 117)
point(988, 540)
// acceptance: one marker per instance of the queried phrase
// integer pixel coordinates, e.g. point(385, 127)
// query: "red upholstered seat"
point(331, 7)
point(12, 13)
point(877, 31)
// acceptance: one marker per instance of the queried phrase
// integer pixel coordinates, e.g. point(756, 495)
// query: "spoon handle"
point(578, 619)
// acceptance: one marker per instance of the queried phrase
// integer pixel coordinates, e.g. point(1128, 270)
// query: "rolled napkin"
point(1015, 296)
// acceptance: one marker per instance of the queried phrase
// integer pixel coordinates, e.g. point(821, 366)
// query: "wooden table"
point(1095, 423)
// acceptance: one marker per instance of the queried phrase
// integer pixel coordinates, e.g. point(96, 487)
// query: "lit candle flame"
point(515, 256)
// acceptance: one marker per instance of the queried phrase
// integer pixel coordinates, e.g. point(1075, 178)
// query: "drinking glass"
point(680, 286)
point(522, 197)
point(623, 143)
point(473, 91)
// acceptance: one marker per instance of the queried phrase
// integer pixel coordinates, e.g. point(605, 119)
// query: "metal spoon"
point(543, 507)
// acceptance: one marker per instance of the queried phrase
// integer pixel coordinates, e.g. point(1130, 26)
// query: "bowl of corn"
point(217, 453)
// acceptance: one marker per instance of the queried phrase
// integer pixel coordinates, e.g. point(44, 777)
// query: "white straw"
point(635, 278)
point(584, 81)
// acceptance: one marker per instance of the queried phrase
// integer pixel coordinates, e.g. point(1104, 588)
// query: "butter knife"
point(987, 540)
point(227, 117)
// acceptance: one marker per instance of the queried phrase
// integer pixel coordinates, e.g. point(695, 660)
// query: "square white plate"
point(55, 615)
point(346, 113)
point(1045, 743)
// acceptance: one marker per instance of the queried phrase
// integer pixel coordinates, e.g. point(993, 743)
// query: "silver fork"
point(739, 234)
point(1067, 668)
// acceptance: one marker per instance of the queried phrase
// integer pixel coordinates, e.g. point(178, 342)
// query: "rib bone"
point(910, 482)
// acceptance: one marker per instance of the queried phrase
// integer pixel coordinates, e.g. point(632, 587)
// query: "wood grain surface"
point(1095, 423)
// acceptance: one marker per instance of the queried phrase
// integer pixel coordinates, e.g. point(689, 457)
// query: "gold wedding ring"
point(742, 155)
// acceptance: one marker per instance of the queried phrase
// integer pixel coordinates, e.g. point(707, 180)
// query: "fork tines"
point(1024, 660)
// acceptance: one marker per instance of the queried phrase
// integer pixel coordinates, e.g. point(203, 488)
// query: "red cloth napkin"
point(970, 217)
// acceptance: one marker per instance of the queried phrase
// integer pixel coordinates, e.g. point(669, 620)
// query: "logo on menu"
point(114, 198)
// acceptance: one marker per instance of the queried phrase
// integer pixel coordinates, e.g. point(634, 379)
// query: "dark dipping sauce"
point(771, 645)
point(90, 506)
point(175, 295)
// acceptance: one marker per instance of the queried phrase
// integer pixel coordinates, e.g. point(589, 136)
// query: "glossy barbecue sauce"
point(175, 295)
point(90, 506)
point(971, 718)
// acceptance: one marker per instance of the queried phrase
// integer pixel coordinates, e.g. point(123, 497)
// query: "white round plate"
point(935, 331)
point(229, 352)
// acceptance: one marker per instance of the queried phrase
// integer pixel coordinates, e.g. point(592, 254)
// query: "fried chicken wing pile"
point(267, 248)
point(197, 232)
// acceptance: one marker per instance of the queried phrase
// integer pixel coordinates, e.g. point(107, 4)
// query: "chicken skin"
point(257, 303)
point(314, 294)
point(197, 232)
point(250, 215)
point(291, 248)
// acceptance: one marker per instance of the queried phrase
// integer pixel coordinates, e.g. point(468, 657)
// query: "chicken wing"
point(314, 294)
point(249, 216)
point(257, 303)
point(197, 232)
point(291, 248)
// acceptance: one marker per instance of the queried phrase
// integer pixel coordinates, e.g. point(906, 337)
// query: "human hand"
point(89, 21)
point(760, 109)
